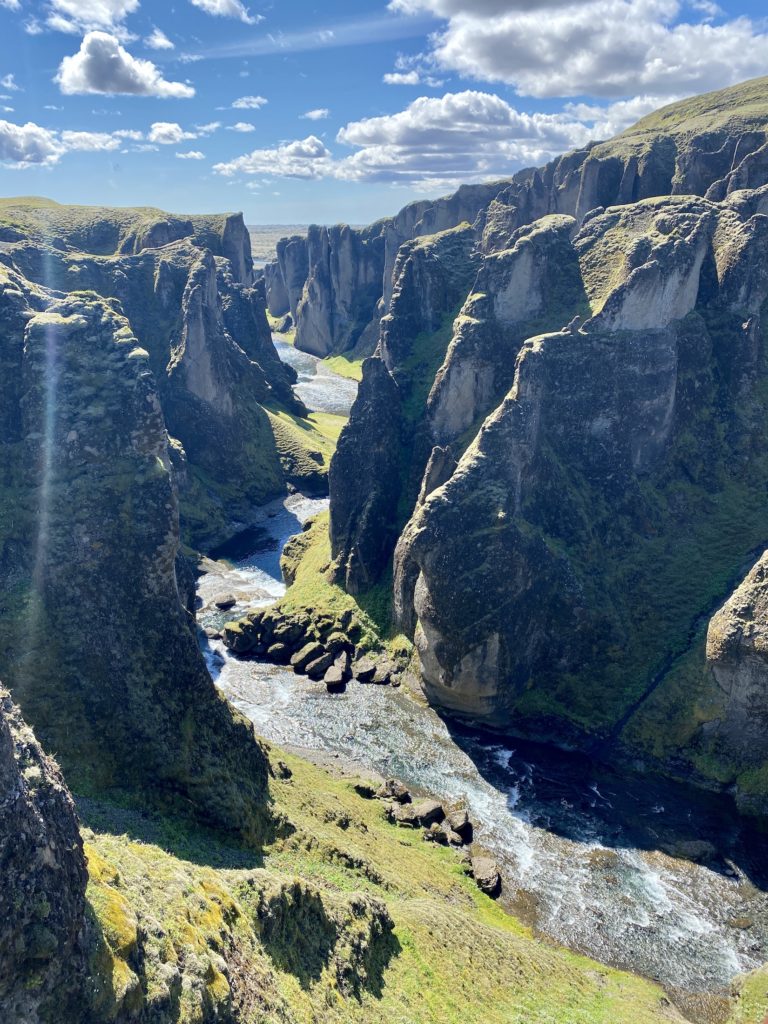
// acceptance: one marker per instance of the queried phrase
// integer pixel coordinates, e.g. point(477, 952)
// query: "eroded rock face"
point(712, 146)
point(186, 289)
point(737, 654)
point(95, 636)
point(385, 447)
point(586, 454)
point(42, 898)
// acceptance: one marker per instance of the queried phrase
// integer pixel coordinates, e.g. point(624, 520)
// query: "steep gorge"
point(569, 477)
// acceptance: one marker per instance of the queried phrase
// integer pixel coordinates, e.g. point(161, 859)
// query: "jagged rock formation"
point(186, 287)
point(96, 642)
point(340, 279)
point(42, 898)
point(578, 479)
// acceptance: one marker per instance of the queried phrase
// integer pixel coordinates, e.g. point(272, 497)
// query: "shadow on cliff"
point(579, 799)
point(181, 837)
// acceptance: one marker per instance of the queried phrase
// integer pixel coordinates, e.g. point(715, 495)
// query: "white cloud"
point(208, 129)
point(193, 154)
point(8, 82)
point(319, 114)
point(33, 27)
point(241, 126)
point(608, 48)
point(25, 145)
point(303, 158)
point(158, 40)
point(228, 9)
point(12, 5)
point(249, 103)
point(7, 110)
point(402, 78)
point(466, 136)
point(102, 65)
point(129, 133)
point(52, 106)
point(76, 16)
point(90, 141)
point(168, 133)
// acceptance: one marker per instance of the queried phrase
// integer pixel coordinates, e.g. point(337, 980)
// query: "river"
point(582, 849)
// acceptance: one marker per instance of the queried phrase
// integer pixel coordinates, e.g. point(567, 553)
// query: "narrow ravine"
point(591, 860)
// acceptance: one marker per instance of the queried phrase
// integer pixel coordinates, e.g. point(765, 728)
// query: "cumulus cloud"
point(12, 5)
point(192, 154)
point(208, 129)
point(228, 9)
point(241, 126)
point(102, 65)
point(402, 78)
point(466, 136)
point(9, 82)
point(24, 145)
point(319, 114)
point(158, 40)
point(303, 158)
point(605, 48)
point(168, 133)
point(90, 141)
point(75, 16)
point(249, 103)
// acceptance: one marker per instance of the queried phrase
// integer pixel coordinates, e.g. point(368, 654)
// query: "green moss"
point(302, 935)
point(345, 367)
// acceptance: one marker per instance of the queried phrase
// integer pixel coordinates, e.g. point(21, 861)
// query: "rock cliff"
point(338, 282)
point(96, 642)
point(42, 898)
point(577, 480)
point(185, 286)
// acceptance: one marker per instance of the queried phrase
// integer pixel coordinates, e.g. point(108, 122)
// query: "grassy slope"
point(738, 107)
point(457, 956)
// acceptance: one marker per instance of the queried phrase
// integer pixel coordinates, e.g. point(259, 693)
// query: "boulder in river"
point(428, 812)
point(317, 668)
point(225, 601)
point(309, 652)
point(364, 670)
point(458, 821)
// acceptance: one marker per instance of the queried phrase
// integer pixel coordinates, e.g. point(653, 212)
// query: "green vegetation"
point(345, 366)
point(346, 919)
point(307, 561)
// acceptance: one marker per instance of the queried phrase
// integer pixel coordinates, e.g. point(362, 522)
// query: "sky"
point(297, 112)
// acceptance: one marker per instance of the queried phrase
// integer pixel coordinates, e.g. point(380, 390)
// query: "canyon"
point(546, 523)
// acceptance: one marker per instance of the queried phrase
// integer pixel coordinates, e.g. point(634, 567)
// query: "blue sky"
point(297, 112)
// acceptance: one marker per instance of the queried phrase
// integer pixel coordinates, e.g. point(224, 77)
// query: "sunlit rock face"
point(570, 476)
point(42, 898)
point(96, 639)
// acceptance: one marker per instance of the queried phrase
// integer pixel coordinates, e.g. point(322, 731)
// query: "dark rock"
point(436, 834)
point(393, 789)
point(458, 821)
point(278, 654)
point(364, 670)
point(428, 812)
point(309, 652)
point(225, 601)
point(316, 669)
point(42, 896)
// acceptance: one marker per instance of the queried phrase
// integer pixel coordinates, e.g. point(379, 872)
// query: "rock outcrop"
point(42, 898)
point(569, 480)
point(96, 640)
point(186, 288)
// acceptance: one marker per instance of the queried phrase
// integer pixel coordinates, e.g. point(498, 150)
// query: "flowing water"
point(585, 853)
